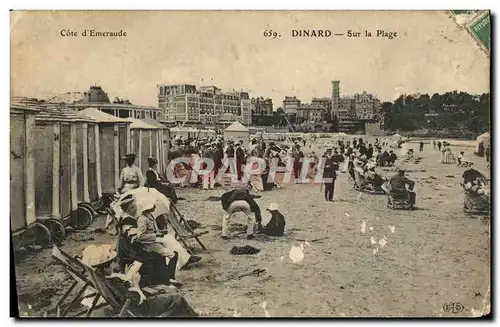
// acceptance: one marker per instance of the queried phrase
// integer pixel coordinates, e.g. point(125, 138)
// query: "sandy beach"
point(432, 256)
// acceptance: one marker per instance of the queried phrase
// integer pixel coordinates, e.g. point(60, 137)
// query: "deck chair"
point(108, 292)
point(119, 300)
point(77, 273)
point(182, 229)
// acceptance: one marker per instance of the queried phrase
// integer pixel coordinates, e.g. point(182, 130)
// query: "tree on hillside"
point(453, 113)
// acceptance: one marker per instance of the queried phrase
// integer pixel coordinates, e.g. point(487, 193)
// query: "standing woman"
point(443, 153)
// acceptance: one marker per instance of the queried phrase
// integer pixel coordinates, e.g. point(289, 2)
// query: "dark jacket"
point(241, 195)
point(329, 171)
point(238, 195)
point(230, 151)
point(151, 178)
point(166, 189)
point(240, 154)
point(275, 226)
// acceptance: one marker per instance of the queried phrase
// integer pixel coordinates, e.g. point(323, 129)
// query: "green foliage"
point(453, 114)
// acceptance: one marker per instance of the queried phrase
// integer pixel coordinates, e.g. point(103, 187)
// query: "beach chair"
point(108, 292)
point(121, 300)
point(397, 199)
point(77, 273)
point(183, 230)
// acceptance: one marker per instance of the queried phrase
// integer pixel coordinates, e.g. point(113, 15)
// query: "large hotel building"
point(206, 104)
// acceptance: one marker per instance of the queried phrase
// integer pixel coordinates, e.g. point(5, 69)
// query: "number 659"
point(271, 34)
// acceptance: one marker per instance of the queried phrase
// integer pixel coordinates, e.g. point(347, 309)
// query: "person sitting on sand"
point(276, 225)
point(240, 200)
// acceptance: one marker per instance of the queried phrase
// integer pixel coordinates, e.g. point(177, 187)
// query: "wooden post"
point(129, 145)
point(167, 148)
point(73, 169)
point(29, 173)
point(139, 151)
point(159, 150)
point(98, 161)
point(86, 195)
point(132, 141)
point(151, 143)
point(56, 165)
point(116, 148)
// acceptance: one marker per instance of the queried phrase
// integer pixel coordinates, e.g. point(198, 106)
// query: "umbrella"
point(146, 198)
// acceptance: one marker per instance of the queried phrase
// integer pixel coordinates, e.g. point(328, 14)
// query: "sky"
point(430, 54)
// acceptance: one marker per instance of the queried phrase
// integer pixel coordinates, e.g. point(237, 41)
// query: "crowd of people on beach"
point(145, 204)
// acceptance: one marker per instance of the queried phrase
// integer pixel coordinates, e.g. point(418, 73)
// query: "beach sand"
point(436, 255)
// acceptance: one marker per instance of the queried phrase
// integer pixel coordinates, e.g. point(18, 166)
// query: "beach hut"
point(55, 153)
point(81, 148)
point(485, 138)
point(237, 132)
point(163, 141)
point(22, 171)
point(47, 142)
point(144, 141)
point(111, 136)
point(56, 172)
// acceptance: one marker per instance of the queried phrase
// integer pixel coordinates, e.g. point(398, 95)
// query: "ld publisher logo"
point(453, 307)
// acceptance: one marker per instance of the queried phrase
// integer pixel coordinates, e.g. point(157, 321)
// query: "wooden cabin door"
point(17, 166)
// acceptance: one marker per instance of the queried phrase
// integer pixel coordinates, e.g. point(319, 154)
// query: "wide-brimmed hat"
point(94, 255)
point(152, 161)
point(126, 202)
point(272, 206)
point(129, 156)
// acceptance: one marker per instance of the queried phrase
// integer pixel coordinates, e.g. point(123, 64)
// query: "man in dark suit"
point(329, 177)
point(240, 160)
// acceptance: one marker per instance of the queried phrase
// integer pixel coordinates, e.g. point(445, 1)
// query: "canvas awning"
point(485, 135)
point(140, 124)
point(154, 123)
point(102, 117)
point(236, 127)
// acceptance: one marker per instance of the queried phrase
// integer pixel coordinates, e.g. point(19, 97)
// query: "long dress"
point(346, 165)
point(443, 155)
point(404, 149)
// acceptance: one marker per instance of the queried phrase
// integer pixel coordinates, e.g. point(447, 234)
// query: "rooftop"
point(95, 95)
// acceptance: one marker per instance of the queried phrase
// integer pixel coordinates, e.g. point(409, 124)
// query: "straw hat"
point(129, 156)
point(126, 202)
point(94, 255)
point(272, 207)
